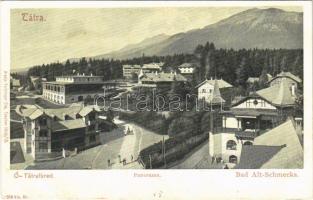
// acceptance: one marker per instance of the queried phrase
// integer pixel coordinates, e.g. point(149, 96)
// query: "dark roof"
point(254, 156)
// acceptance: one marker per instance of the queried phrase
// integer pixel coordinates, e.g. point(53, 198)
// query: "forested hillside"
point(234, 66)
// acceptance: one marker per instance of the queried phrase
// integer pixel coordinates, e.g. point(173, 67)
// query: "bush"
point(181, 125)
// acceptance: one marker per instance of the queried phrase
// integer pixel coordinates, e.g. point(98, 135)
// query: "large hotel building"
point(70, 89)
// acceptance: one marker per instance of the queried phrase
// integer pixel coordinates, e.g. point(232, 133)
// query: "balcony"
point(239, 133)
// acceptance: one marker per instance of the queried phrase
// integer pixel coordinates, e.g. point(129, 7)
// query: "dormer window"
point(78, 116)
point(66, 117)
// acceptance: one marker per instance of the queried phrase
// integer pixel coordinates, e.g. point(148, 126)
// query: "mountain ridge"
point(271, 28)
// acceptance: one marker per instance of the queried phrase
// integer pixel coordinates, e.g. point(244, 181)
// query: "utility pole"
point(163, 151)
point(150, 161)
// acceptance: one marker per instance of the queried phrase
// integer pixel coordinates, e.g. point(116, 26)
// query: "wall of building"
point(128, 70)
point(261, 104)
point(76, 97)
point(231, 122)
point(205, 91)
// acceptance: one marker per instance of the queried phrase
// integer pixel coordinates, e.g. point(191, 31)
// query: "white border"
point(173, 184)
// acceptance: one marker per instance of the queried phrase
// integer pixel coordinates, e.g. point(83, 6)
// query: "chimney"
point(83, 74)
point(91, 74)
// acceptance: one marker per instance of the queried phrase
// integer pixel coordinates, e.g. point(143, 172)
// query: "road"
point(113, 144)
point(199, 158)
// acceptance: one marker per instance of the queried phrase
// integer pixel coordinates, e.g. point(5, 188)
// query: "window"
point(233, 159)
point(43, 121)
point(203, 91)
point(43, 133)
point(66, 117)
point(247, 143)
point(210, 91)
point(262, 103)
point(92, 138)
point(231, 145)
point(43, 146)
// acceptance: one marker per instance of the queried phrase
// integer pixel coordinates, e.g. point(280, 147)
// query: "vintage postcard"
point(156, 100)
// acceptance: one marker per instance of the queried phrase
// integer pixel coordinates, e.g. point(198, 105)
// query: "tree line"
point(234, 66)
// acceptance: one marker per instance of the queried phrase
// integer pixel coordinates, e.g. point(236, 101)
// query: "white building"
point(70, 89)
point(152, 67)
point(247, 119)
point(48, 131)
point(129, 70)
point(186, 68)
point(206, 88)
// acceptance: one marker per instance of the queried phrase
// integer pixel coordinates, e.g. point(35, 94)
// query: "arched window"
point(231, 145)
point(247, 143)
point(66, 117)
point(233, 159)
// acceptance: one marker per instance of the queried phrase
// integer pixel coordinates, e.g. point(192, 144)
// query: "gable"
point(255, 103)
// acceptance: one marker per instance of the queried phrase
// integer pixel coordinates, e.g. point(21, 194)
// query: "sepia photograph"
point(156, 100)
point(156, 88)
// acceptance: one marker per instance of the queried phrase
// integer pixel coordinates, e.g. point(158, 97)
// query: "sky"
point(84, 32)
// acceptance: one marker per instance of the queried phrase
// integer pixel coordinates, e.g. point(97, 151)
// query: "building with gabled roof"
point(290, 78)
point(160, 80)
point(48, 131)
point(250, 117)
point(187, 70)
point(282, 94)
point(210, 89)
point(279, 148)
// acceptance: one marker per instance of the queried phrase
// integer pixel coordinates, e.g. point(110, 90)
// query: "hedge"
point(176, 148)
